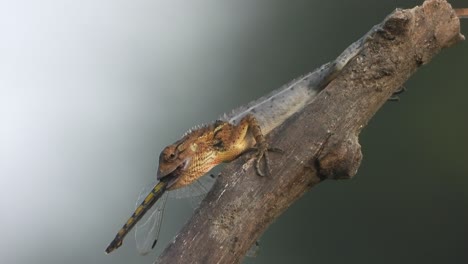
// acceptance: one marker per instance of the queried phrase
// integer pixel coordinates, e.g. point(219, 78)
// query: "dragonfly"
point(152, 205)
point(147, 229)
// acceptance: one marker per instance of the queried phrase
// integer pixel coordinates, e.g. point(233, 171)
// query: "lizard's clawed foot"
point(262, 153)
point(395, 97)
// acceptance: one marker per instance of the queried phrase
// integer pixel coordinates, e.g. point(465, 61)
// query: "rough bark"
point(320, 142)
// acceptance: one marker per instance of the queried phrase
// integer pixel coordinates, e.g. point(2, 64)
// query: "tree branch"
point(320, 142)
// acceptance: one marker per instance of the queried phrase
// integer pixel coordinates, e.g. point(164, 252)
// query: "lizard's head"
point(187, 159)
point(173, 161)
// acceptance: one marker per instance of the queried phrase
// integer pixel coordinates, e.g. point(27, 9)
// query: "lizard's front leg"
point(261, 146)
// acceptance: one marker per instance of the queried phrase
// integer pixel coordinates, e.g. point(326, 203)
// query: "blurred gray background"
point(91, 91)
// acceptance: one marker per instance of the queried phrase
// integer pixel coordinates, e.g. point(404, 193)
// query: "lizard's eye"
point(169, 154)
point(172, 156)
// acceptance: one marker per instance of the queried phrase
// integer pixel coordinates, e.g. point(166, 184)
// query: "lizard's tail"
point(328, 72)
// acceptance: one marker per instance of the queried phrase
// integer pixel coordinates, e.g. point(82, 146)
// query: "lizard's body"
point(204, 147)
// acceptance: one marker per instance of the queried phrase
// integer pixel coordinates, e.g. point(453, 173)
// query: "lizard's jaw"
point(171, 177)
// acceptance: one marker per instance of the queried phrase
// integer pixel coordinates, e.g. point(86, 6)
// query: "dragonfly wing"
point(199, 190)
point(199, 187)
point(147, 229)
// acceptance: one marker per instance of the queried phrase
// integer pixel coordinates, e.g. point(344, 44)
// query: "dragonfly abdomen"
point(139, 212)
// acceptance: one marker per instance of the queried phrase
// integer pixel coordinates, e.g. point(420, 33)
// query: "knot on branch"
point(444, 32)
point(444, 37)
point(340, 159)
point(395, 25)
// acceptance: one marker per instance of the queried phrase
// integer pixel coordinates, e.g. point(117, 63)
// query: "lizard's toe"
point(262, 154)
point(276, 150)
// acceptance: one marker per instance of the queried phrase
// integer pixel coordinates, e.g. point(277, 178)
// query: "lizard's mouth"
point(172, 177)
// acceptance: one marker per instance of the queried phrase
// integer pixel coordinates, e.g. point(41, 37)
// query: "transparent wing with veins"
point(148, 228)
point(195, 191)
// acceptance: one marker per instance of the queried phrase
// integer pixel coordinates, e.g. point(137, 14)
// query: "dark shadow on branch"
point(320, 142)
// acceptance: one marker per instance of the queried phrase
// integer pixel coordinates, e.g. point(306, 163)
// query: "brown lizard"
point(244, 129)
